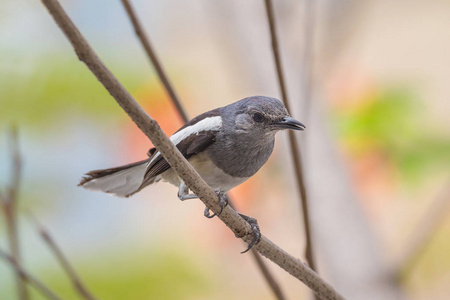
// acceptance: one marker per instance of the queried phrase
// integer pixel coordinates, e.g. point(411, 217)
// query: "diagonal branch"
point(178, 163)
point(9, 207)
point(270, 279)
point(273, 284)
point(154, 59)
point(25, 276)
point(143, 37)
point(295, 149)
point(64, 262)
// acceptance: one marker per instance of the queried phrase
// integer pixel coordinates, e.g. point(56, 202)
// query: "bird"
point(226, 146)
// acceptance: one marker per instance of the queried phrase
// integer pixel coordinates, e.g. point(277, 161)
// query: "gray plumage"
point(243, 146)
point(226, 146)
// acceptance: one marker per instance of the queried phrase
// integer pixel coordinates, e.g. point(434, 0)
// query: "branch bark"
point(295, 149)
point(144, 39)
point(178, 163)
point(154, 60)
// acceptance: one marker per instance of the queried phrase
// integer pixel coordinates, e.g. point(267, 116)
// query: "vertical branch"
point(17, 166)
point(9, 208)
point(308, 49)
point(25, 276)
point(63, 261)
point(295, 150)
point(154, 59)
point(143, 37)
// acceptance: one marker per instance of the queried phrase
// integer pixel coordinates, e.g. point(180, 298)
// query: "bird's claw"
point(223, 202)
point(207, 214)
point(255, 231)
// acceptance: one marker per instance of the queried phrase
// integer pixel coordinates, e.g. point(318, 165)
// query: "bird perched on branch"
point(226, 146)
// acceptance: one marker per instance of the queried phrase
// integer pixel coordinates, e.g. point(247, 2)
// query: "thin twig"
point(178, 163)
point(424, 233)
point(143, 37)
point(9, 208)
point(27, 277)
point(308, 49)
point(17, 166)
point(270, 279)
point(64, 262)
point(295, 149)
point(273, 284)
point(154, 59)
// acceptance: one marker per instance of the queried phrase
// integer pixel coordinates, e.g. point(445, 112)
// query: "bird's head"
point(260, 115)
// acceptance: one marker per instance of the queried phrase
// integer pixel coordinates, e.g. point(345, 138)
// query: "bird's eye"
point(257, 117)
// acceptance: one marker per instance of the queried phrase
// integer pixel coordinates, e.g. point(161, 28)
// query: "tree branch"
point(308, 49)
point(273, 284)
point(64, 262)
point(178, 163)
point(25, 276)
point(9, 207)
point(144, 39)
point(154, 59)
point(295, 149)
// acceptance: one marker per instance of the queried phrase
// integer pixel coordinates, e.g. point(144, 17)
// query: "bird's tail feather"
point(121, 181)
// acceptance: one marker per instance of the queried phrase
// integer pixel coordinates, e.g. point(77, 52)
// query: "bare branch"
point(308, 47)
point(173, 96)
point(295, 149)
point(17, 166)
point(178, 163)
point(273, 284)
point(423, 233)
point(70, 271)
point(25, 276)
point(9, 207)
point(154, 59)
point(9, 203)
point(270, 279)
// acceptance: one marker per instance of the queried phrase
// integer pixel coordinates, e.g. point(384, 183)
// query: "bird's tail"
point(121, 181)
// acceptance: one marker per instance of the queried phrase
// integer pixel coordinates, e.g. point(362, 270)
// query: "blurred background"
point(375, 76)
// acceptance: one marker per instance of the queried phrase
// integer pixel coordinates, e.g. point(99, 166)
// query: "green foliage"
point(390, 122)
point(40, 91)
point(162, 274)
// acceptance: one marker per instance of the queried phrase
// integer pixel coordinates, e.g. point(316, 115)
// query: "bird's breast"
point(240, 157)
point(213, 175)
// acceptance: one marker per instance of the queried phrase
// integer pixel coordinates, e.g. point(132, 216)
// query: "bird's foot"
point(255, 231)
point(223, 202)
point(183, 192)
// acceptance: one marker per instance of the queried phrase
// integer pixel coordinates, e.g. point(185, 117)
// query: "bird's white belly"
point(214, 177)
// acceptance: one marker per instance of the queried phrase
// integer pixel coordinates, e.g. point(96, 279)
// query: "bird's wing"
point(188, 146)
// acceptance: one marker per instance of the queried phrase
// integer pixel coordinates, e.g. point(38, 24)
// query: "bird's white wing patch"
point(211, 123)
point(207, 124)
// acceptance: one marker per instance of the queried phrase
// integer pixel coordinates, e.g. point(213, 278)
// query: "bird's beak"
point(288, 123)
